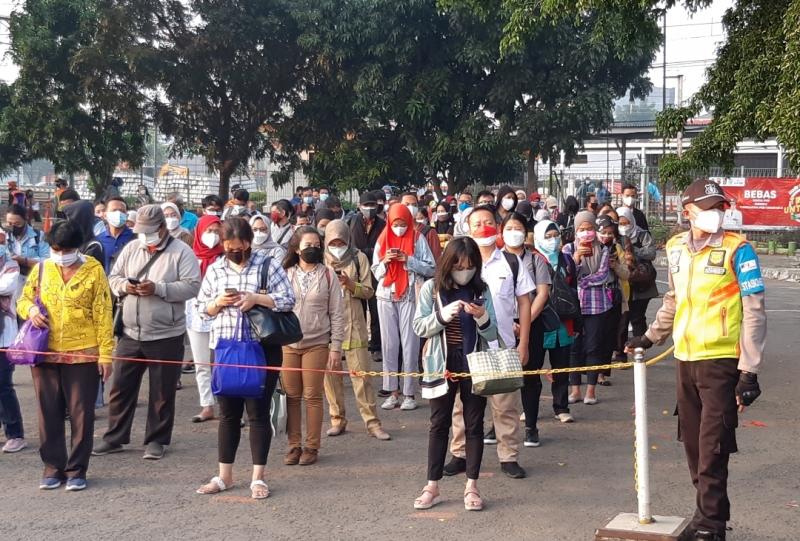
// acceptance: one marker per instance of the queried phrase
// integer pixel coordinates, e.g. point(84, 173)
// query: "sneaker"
point(408, 404)
point(513, 470)
point(565, 417)
point(377, 356)
point(76, 484)
point(15, 445)
point(154, 451)
point(391, 402)
point(705, 535)
point(490, 438)
point(49, 483)
point(384, 394)
point(188, 368)
point(106, 448)
point(531, 438)
point(455, 466)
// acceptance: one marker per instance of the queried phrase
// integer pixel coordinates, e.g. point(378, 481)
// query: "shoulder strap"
point(283, 235)
point(152, 260)
point(513, 262)
point(263, 283)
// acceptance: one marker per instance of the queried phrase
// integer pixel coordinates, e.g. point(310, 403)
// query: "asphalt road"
point(363, 489)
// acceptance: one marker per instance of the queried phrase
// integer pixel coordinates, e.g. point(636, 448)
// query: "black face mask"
point(369, 212)
point(236, 257)
point(18, 230)
point(311, 255)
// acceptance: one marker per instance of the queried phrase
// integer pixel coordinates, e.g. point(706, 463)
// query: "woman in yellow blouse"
point(77, 302)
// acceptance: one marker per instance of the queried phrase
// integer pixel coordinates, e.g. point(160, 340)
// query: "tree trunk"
point(226, 171)
point(533, 183)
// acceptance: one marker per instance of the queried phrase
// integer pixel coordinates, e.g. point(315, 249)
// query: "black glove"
point(747, 390)
point(639, 342)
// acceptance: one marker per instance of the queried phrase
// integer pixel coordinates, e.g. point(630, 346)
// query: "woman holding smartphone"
point(230, 289)
point(455, 313)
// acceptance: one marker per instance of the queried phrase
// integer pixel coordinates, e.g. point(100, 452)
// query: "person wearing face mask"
point(118, 234)
point(630, 199)
point(231, 288)
point(510, 287)
point(596, 294)
point(10, 414)
point(506, 202)
point(212, 205)
point(444, 222)
point(640, 249)
point(411, 200)
point(75, 295)
point(172, 215)
point(208, 248)
point(155, 276)
point(352, 269)
point(280, 216)
point(262, 238)
point(237, 206)
point(455, 314)
point(322, 218)
point(321, 311)
point(26, 246)
point(460, 226)
point(82, 213)
point(714, 311)
point(365, 228)
point(608, 235)
point(401, 255)
point(188, 218)
point(515, 229)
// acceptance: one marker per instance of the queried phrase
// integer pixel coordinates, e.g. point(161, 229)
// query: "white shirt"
point(497, 274)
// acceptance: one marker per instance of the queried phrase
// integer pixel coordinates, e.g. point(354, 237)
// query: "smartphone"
point(394, 250)
point(480, 301)
point(134, 281)
point(231, 291)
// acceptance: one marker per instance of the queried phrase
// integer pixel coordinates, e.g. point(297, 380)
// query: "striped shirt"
point(221, 276)
point(594, 291)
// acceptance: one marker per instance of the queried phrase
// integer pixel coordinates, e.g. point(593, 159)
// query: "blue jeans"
point(10, 414)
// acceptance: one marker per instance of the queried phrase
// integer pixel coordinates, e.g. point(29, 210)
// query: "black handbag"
point(271, 327)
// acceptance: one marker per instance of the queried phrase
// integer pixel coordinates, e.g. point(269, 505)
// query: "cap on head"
point(149, 219)
point(705, 194)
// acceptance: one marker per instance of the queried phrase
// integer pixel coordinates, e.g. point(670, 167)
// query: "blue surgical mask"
point(463, 205)
point(99, 229)
point(323, 197)
point(550, 245)
point(308, 200)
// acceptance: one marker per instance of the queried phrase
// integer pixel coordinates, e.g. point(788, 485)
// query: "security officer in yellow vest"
point(714, 310)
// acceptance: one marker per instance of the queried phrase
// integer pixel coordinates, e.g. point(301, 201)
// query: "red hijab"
point(205, 255)
point(395, 271)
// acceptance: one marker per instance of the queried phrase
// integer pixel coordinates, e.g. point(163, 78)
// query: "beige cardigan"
point(320, 310)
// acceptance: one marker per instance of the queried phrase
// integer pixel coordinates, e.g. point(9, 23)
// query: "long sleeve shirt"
point(420, 264)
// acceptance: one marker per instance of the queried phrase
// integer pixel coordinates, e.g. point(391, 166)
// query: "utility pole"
point(664, 108)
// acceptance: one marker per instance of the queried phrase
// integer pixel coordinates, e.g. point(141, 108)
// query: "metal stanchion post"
point(642, 525)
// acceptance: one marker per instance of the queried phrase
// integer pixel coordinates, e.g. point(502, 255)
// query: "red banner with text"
point(761, 202)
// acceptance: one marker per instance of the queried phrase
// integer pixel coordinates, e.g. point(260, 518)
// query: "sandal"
point(216, 484)
point(258, 483)
point(472, 500)
point(421, 503)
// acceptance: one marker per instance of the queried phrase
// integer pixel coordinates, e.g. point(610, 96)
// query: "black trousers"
point(596, 344)
point(532, 388)
point(258, 416)
point(70, 388)
point(707, 420)
point(638, 316)
point(442, 419)
point(127, 381)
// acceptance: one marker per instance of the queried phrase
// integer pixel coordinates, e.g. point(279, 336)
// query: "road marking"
point(433, 514)
point(776, 310)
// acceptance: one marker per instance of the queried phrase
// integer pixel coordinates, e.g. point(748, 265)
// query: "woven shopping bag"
point(495, 371)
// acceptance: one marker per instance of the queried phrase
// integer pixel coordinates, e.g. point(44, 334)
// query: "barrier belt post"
point(642, 439)
point(642, 525)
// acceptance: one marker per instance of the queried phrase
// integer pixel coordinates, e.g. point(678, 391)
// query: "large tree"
point(73, 102)
point(752, 90)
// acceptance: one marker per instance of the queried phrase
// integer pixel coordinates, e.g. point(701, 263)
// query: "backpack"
point(513, 262)
point(563, 297)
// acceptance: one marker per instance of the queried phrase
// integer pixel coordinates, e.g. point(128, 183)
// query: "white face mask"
point(463, 277)
point(337, 251)
point(150, 239)
point(507, 203)
point(412, 209)
point(64, 260)
point(116, 218)
point(260, 237)
point(399, 230)
point(625, 230)
point(237, 210)
point(209, 239)
point(212, 212)
point(386, 207)
point(421, 220)
point(709, 220)
point(172, 223)
point(513, 239)
point(628, 200)
point(486, 241)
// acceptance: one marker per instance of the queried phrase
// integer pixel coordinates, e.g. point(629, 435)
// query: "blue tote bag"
point(239, 365)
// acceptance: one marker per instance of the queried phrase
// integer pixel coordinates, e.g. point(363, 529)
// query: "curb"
point(773, 273)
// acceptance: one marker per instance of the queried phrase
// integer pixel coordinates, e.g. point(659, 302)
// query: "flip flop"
point(219, 485)
point(259, 483)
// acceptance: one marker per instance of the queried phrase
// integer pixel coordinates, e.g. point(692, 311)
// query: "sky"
point(692, 42)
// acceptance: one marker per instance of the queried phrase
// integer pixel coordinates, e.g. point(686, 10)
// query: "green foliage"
point(73, 103)
point(11, 152)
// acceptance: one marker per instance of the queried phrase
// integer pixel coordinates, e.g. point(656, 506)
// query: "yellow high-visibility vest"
point(708, 312)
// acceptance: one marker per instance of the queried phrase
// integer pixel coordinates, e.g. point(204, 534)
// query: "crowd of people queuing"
point(415, 281)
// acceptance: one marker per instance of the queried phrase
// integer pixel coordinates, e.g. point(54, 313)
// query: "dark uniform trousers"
point(125, 390)
point(707, 420)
